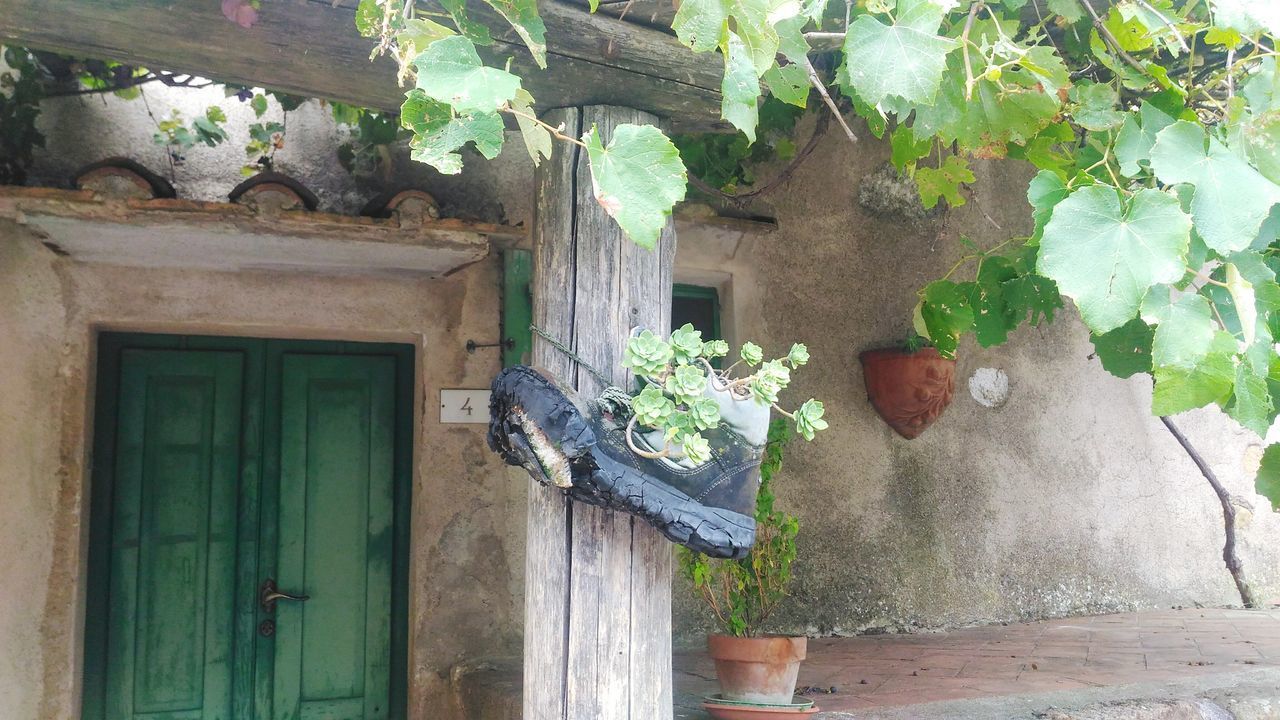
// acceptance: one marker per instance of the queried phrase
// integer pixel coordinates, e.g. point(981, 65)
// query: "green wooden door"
point(190, 518)
point(173, 536)
point(333, 651)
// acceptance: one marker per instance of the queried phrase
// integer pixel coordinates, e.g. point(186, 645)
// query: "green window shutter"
point(517, 307)
point(698, 306)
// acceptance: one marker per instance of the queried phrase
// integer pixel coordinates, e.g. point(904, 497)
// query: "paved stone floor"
point(888, 671)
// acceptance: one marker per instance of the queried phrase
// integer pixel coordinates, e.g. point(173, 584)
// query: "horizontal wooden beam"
point(311, 48)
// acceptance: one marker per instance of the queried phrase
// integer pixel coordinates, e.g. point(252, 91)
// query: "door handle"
point(269, 594)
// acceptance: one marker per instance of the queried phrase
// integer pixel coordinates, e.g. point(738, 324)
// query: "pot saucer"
point(722, 709)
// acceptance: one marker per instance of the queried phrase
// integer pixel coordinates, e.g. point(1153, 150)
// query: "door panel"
point(169, 641)
point(335, 537)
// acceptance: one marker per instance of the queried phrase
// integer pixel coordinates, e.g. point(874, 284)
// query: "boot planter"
point(909, 390)
point(757, 677)
point(683, 453)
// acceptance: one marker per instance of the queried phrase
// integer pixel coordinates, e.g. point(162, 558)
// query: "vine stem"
point(816, 80)
point(1105, 32)
point(819, 130)
point(969, 80)
point(555, 131)
point(1229, 556)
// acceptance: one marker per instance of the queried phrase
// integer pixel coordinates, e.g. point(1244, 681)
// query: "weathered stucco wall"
point(466, 552)
point(1069, 498)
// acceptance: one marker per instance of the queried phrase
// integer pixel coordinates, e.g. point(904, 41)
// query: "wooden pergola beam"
point(312, 48)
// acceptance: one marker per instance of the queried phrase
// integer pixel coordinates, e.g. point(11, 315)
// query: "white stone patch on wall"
point(990, 387)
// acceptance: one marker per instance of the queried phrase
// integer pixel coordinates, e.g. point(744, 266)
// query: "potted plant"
point(909, 387)
point(683, 451)
point(753, 667)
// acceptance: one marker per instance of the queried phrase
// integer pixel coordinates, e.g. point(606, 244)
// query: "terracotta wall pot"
point(761, 670)
point(909, 390)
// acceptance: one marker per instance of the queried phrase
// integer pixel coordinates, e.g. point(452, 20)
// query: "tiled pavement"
point(884, 671)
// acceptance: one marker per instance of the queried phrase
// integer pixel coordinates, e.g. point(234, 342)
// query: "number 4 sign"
point(464, 406)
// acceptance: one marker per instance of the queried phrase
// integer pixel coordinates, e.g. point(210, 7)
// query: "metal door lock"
point(267, 628)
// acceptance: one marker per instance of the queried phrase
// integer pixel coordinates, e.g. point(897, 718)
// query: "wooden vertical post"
point(597, 633)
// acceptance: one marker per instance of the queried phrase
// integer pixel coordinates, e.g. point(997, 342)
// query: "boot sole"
point(597, 478)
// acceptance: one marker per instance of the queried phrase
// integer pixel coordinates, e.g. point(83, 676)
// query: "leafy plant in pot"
point(753, 667)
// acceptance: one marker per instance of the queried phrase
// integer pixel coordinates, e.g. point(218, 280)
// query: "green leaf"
point(537, 140)
point(259, 104)
point(906, 59)
point(450, 71)
point(946, 314)
point(1181, 389)
point(1184, 327)
point(1095, 106)
point(418, 33)
point(439, 133)
point(471, 30)
point(369, 18)
point(637, 179)
point(1031, 297)
point(1068, 10)
point(701, 24)
point(1250, 17)
point(1016, 110)
point(1125, 351)
point(1262, 89)
point(739, 88)
point(1044, 193)
point(944, 182)
point(1231, 198)
point(788, 83)
point(1106, 254)
point(1137, 137)
point(907, 148)
point(1267, 483)
point(524, 19)
point(1251, 404)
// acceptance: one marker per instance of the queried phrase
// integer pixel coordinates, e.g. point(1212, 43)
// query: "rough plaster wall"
point(1069, 498)
point(467, 558)
point(30, 352)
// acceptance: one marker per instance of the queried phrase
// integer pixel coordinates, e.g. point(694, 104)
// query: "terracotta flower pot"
point(908, 390)
point(761, 669)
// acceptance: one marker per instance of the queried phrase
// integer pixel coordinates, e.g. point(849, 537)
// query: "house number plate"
point(464, 406)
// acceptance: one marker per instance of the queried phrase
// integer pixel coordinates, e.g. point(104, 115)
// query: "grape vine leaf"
point(1250, 403)
point(753, 21)
point(470, 29)
point(1126, 350)
point(1231, 198)
point(1106, 254)
point(524, 19)
point(1250, 17)
point(1032, 297)
point(1267, 482)
point(450, 71)
point(418, 33)
point(788, 83)
point(1180, 389)
point(907, 148)
point(993, 318)
point(944, 182)
point(1262, 89)
point(906, 59)
point(1184, 327)
point(439, 133)
point(637, 179)
point(993, 116)
point(701, 24)
point(1044, 192)
point(740, 87)
point(946, 314)
point(1095, 106)
point(1137, 137)
point(537, 140)
point(1068, 10)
